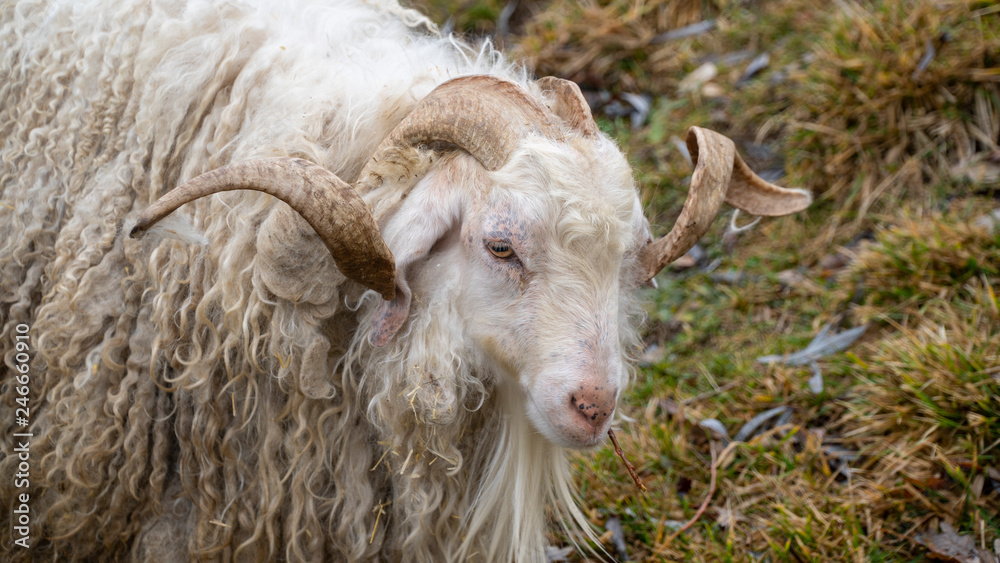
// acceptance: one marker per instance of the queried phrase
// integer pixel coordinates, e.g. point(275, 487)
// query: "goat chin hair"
point(209, 391)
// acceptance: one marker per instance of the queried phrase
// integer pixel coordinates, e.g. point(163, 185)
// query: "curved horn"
point(482, 115)
point(327, 203)
point(720, 175)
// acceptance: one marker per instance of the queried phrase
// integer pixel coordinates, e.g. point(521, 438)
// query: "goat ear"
point(566, 101)
point(421, 220)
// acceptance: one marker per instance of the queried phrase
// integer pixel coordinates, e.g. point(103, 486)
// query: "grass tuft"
point(917, 259)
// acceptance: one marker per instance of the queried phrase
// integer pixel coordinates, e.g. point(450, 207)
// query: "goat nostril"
point(592, 411)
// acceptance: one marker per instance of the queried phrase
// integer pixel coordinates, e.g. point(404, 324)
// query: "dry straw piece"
point(628, 465)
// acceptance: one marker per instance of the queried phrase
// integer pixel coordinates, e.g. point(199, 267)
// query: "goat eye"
point(499, 249)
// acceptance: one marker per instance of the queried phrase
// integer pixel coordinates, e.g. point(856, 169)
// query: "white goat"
point(227, 386)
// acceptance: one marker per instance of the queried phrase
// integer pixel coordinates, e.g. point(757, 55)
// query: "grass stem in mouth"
point(628, 465)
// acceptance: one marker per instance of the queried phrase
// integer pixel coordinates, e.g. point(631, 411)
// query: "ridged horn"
point(332, 207)
point(482, 115)
point(720, 175)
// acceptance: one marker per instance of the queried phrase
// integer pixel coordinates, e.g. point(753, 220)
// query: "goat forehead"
point(582, 193)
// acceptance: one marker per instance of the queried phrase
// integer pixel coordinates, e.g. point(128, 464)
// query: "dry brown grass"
point(605, 44)
point(896, 97)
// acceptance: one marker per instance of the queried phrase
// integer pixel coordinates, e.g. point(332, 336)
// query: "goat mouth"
point(595, 440)
point(563, 429)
